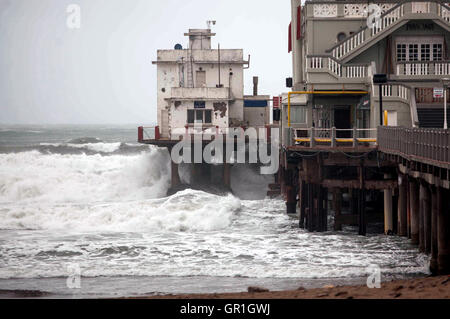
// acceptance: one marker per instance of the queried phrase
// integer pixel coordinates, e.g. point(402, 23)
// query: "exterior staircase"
point(432, 117)
point(391, 20)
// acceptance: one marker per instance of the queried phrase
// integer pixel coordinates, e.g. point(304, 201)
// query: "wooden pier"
point(401, 178)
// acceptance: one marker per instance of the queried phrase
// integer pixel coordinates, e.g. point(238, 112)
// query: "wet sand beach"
point(420, 288)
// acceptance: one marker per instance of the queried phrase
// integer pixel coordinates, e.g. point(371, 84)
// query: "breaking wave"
point(83, 179)
point(86, 146)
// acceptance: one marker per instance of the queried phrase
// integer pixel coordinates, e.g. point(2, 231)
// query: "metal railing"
point(417, 144)
point(333, 137)
point(148, 133)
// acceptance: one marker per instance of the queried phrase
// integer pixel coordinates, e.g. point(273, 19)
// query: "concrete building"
point(200, 84)
point(335, 47)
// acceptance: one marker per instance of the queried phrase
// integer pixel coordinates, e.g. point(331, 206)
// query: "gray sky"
point(102, 72)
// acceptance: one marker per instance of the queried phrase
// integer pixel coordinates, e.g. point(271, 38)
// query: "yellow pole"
point(386, 118)
point(319, 93)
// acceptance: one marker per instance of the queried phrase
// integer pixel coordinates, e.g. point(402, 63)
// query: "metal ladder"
point(189, 69)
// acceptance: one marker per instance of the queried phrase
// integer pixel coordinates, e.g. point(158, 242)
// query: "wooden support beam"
point(434, 231)
point(310, 209)
point(325, 209)
point(368, 185)
point(388, 211)
point(302, 203)
point(415, 210)
point(443, 232)
point(362, 222)
point(423, 194)
point(408, 209)
point(402, 207)
point(291, 202)
point(362, 201)
point(427, 220)
point(337, 206)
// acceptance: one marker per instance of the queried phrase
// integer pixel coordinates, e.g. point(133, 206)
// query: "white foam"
point(35, 178)
point(98, 147)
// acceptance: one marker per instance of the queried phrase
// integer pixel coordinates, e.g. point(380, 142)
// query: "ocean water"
point(90, 197)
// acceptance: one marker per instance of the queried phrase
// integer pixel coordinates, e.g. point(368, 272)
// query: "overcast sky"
point(102, 72)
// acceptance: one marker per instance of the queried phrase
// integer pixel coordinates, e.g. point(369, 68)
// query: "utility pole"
point(380, 79)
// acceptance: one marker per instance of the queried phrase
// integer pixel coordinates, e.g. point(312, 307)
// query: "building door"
point(392, 118)
point(343, 121)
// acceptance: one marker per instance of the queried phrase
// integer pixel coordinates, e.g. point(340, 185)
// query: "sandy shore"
point(421, 288)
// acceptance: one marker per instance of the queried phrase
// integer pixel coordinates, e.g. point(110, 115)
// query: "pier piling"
point(443, 231)
point(415, 207)
point(402, 207)
point(434, 235)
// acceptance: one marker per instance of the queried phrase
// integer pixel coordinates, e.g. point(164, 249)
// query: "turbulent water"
point(94, 198)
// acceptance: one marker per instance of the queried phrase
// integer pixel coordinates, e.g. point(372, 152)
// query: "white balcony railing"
point(391, 14)
point(437, 68)
point(393, 91)
point(328, 64)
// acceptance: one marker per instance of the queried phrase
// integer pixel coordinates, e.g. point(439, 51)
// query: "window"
point(298, 114)
point(413, 52)
point(191, 116)
point(341, 36)
point(199, 116)
point(401, 52)
point(419, 49)
point(437, 52)
point(425, 52)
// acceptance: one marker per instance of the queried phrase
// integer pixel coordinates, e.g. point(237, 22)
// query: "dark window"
point(425, 52)
point(413, 52)
point(401, 52)
point(199, 116)
point(208, 116)
point(191, 114)
point(437, 52)
point(341, 36)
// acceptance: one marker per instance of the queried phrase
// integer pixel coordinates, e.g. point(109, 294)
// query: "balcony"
point(330, 65)
point(211, 94)
point(425, 68)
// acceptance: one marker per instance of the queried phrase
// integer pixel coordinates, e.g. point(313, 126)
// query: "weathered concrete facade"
point(199, 84)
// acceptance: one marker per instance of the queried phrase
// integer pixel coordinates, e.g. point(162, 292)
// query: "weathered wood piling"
point(407, 174)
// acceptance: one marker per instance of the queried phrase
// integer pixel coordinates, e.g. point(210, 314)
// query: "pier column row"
point(314, 207)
